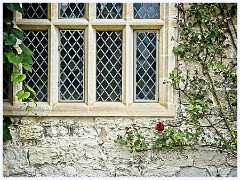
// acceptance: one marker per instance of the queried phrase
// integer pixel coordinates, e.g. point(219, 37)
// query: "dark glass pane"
point(145, 65)
point(146, 10)
point(109, 65)
point(71, 65)
point(35, 10)
point(38, 78)
point(109, 10)
point(6, 83)
point(72, 10)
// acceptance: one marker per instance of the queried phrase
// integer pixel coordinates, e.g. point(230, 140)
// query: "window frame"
point(59, 13)
point(157, 67)
point(166, 62)
point(84, 68)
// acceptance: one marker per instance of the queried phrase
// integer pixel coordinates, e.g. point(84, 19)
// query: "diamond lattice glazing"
point(37, 41)
point(146, 65)
point(72, 10)
point(146, 10)
point(35, 10)
point(5, 84)
point(71, 65)
point(109, 10)
point(109, 65)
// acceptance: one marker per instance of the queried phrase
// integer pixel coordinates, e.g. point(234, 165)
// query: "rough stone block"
point(56, 131)
point(208, 157)
point(30, 132)
point(232, 173)
point(192, 172)
point(15, 156)
point(223, 172)
point(161, 171)
point(22, 171)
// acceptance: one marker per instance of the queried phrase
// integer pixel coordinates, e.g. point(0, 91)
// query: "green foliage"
point(170, 137)
point(205, 79)
point(6, 132)
point(206, 34)
point(17, 77)
point(15, 54)
point(14, 7)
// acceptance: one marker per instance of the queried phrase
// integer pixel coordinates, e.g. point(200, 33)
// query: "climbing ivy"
point(15, 57)
point(205, 79)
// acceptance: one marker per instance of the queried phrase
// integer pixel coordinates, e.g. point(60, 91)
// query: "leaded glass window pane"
point(37, 41)
point(109, 10)
point(6, 83)
point(109, 65)
point(146, 10)
point(145, 71)
point(35, 10)
point(72, 10)
point(71, 65)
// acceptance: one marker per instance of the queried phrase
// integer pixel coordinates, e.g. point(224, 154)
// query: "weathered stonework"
point(77, 139)
point(72, 147)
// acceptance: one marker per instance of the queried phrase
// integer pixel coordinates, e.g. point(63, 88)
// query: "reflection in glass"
point(145, 65)
point(109, 65)
point(146, 10)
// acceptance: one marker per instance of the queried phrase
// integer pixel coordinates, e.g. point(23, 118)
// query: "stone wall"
point(84, 146)
point(47, 146)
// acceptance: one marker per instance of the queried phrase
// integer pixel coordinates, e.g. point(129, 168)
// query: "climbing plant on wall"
point(15, 57)
point(205, 79)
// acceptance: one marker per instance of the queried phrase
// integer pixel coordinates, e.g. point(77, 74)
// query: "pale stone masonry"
point(78, 146)
point(77, 139)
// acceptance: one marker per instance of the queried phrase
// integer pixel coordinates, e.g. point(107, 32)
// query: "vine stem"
point(191, 146)
point(210, 122)
point(213, 90)
point(229, 30)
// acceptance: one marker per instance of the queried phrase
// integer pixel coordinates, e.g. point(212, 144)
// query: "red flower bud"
point(160, 126)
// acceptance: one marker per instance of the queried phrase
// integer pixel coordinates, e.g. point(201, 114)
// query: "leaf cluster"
point(15, 55)
point(170, 137)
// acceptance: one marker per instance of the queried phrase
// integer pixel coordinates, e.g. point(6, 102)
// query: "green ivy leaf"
point(14, 58)
point(17, 7)
point(7, 121)
point(26, 50)
point(10, 40)
point(25, 95)
point(7, 17)
point(17, 77)
point(5, 59)
point(14, 7)
point(17, 33)
point(9, 6)
point(27, 58)
point(29, 108)
point(27, 66)
point(5, 36)
point(6, 132)
point(22, 94)
point(19, 94)
point(30, 89)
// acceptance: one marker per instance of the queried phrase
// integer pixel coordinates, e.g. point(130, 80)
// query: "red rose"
point(160, 126)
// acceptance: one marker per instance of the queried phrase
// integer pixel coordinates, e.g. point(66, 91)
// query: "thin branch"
point(229, 30)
